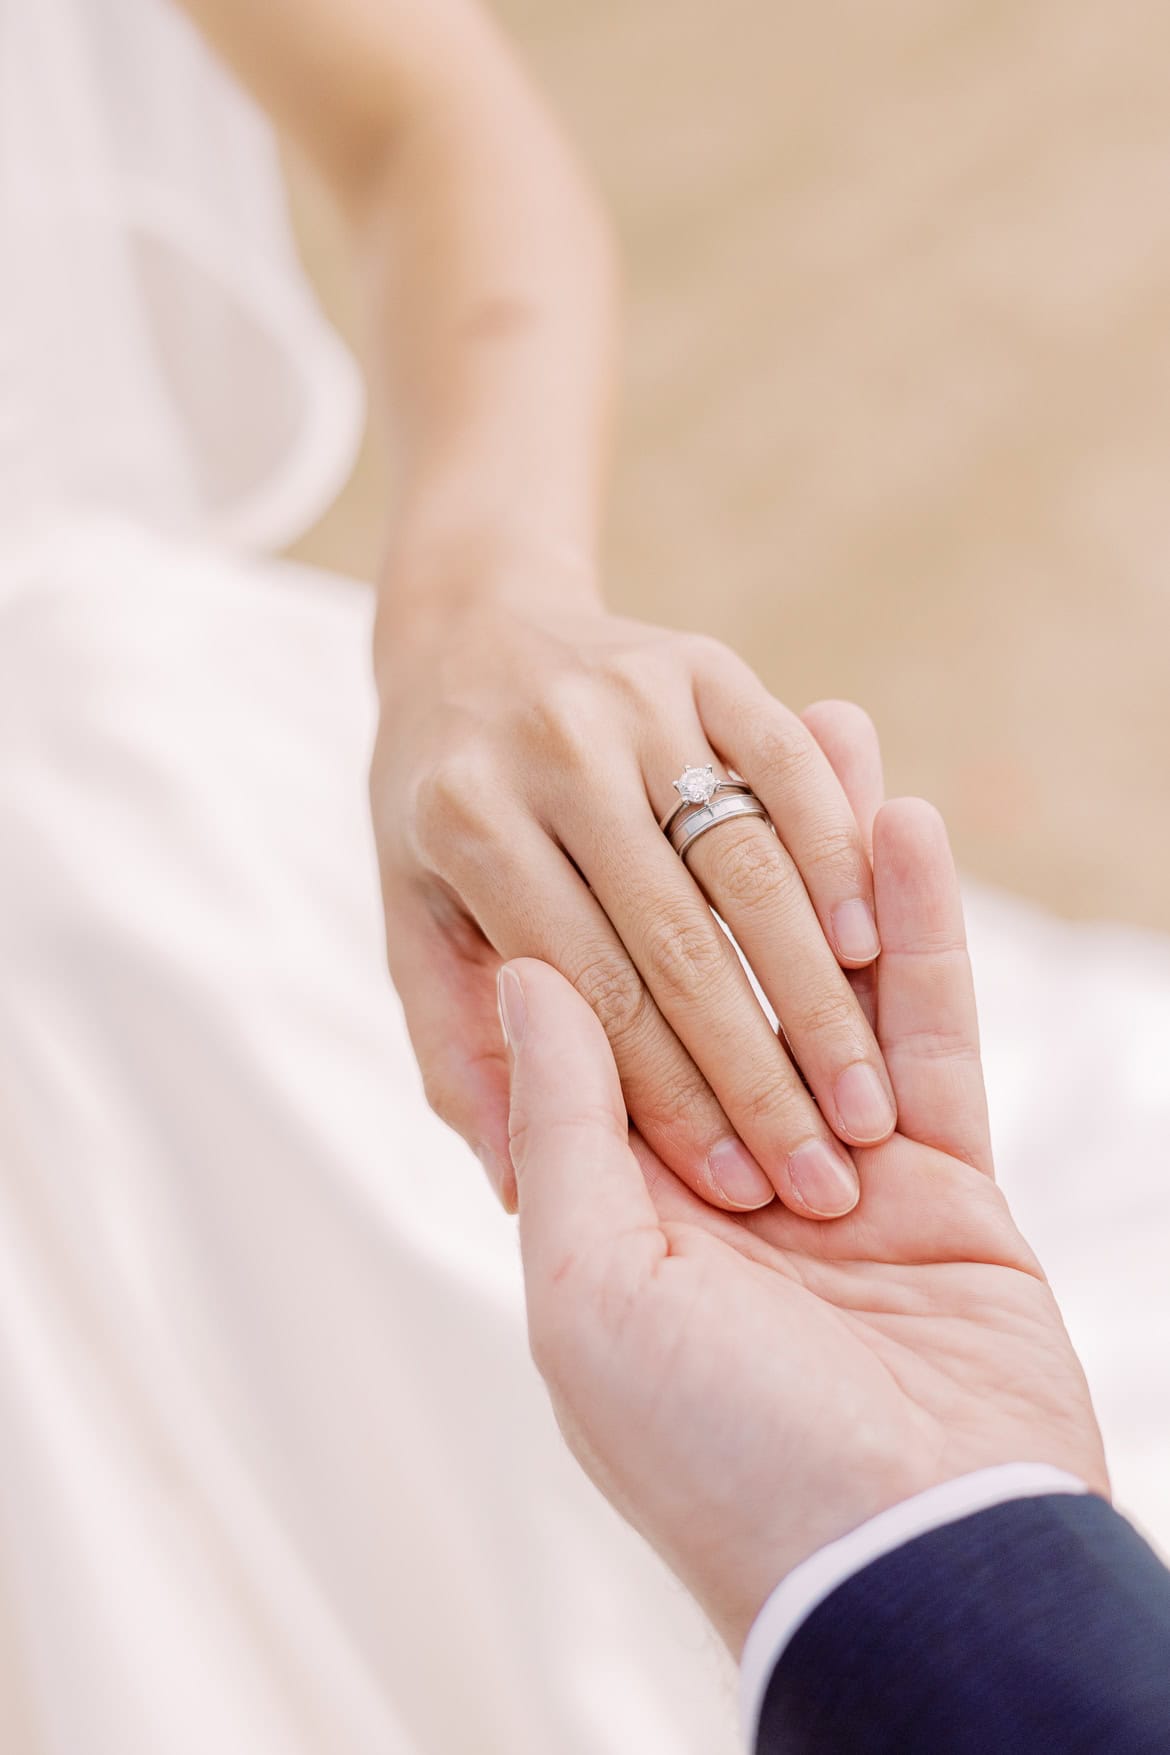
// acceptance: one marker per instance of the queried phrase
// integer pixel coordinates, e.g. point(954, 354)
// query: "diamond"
point(697, 785)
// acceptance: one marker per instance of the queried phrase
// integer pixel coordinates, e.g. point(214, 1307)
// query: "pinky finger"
point(445, 974)
point(849, 739)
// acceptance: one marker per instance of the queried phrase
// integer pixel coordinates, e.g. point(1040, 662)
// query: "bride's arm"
point(489, 263)
point(528, 738)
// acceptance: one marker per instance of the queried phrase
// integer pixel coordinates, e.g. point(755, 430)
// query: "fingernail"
point(738, 1177)
point(513, 1011)
point(864, 1108)
point(824, 1180)
point(855, 931)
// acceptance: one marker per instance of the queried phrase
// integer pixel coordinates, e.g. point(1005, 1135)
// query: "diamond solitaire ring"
point(697, 786)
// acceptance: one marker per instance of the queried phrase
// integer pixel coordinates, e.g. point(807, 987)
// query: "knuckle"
point(834, 1013)
point(714, 658)
point(448, 801)
point(703, 654)
point(953, 1046)
point(453, 808)
point(564, 716)
point(613, 988)
point(783, 753)
point(748, 866)
point(684, 956)
point(773, 1106)
point(677, 1103)
point(640, 665)
point(636, 670)
point(834, 851)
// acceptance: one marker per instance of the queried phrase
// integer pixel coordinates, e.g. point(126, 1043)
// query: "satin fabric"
point(276, 1473)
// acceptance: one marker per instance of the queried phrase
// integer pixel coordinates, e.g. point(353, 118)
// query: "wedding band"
point(709, 816)
point(697, 786)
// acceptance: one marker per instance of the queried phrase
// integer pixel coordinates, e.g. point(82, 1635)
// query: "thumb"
point(581, 1191)
point(927, 1023)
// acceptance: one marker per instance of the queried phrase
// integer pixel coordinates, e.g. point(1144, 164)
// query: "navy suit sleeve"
point(1039, 1625)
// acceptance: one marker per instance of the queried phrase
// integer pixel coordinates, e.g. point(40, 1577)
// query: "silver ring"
point(697, 786)
point(708, 816)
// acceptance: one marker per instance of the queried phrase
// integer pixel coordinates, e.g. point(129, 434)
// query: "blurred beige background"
point(898, 413)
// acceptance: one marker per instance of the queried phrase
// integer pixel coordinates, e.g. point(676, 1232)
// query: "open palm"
point(746, 1389)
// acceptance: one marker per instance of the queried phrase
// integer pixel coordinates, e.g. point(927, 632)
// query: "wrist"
point(449, 576)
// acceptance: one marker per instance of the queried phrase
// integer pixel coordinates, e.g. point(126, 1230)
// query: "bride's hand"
point(522, 763)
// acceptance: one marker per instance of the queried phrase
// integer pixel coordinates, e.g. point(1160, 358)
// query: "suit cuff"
point(796, 1596)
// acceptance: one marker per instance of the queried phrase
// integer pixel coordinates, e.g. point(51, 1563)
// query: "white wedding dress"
point(276, 1474)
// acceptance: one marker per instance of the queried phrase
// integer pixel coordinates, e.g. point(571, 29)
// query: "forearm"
point(489, 278)
point(492, 303)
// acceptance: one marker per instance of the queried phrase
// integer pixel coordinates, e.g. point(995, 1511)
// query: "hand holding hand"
point(747, 1389)
point(522, 763)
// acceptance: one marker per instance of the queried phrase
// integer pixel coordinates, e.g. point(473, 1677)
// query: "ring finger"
point(700, 987)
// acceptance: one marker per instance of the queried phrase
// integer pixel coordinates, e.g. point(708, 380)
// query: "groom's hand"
point(746, 1390)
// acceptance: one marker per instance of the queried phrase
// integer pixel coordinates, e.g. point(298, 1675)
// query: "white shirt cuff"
point(796, 1596)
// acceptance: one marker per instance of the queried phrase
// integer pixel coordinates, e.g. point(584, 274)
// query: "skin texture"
point(530, 833)
point(528, 737)
point(747, 1389)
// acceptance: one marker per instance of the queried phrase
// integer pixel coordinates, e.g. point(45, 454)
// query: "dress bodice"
point(161, 353)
